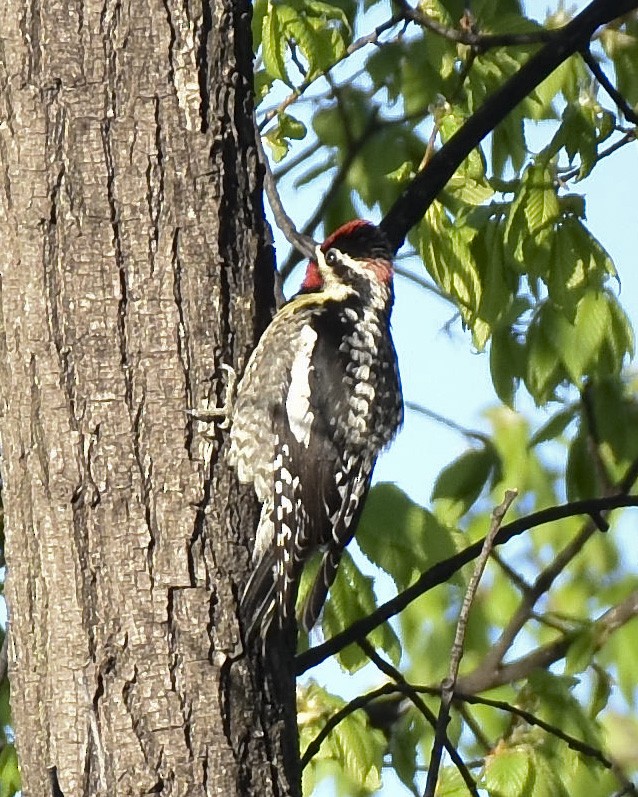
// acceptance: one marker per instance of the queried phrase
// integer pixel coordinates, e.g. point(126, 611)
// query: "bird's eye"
point(332, 257)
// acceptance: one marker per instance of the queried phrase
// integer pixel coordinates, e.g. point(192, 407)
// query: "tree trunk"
point(134, 262)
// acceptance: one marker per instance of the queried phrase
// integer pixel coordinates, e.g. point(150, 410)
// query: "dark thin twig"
point(303, 243)
point(421, 282)
point(449, 683)
point(541, 585)
point(516, 670)
point(313, 222)
point(463, 696)
point(512, 574)
point(479, 41)
point(443, 421)
point(627, 111)
point(412, 204)
point(627, 138)
point(299, 159)
point(477, 731)
point(387, 669)
point(442, 571)
point(363, 41)
point(573, 743)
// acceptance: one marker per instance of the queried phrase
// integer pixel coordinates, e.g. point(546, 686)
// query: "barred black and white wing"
point(319, 400)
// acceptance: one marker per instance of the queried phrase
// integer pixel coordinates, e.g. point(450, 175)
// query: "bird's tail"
point(257, 607)
point(319, 590)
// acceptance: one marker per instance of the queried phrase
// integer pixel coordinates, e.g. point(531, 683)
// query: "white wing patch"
point(300, 417)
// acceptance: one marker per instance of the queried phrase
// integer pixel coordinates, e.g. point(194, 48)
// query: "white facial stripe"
point(335, 287)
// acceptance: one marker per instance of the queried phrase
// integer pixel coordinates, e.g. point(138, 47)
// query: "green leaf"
point(619, 339)
point(274, 44)
point(384, 67)
point(445, 250)
point(461, 482)
point(450, 783)
point(351, 598)
point(601, 692)
point(260, 9)
point(360, 752)
point(579, 344)
point(400, 537)
point(530, 222)
point(291, 127)
point(278, 137)
point(403, 174)
point(581, 480)
point(10, 781)
point(554, 427)
point(263, 84)
point(547, 775)
point(581, 651)
point(404, 740)
point(544, 372)
point(621, 45)
point(541, 207)
point(509, 772)
point(579, 264)
point(354, 746)
point(507, 357)
point(616, 417)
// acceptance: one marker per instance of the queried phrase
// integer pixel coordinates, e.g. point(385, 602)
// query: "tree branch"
point(363, 41)
point(397, 677)
point(410, 207)
point(482, 679)
point(442, 571)
point(531, 719)
point(627, 138)
point(467, 35)
point(627, 111)
point(354, 148)
point(540, 586)
point(448, 684)
point(301, 242)
point(447, 422)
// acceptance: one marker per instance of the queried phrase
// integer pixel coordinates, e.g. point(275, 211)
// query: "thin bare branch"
point(448, 684)
point(313, 222)
point(626, 109)
point(613, 619)
point(531, 719)
point(421, 282)
point(363, 41)
point(303, 243)
point(387, 669)
point(530, 598)
point(292, 162)
point(450, 424)
point(442, 571)
point(627, 138)
point(410, 207)
point(467, 35)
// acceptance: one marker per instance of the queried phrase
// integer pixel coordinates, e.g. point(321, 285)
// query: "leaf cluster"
point(354, 105)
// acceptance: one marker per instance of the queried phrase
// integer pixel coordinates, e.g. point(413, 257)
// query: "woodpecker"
point(320, 398)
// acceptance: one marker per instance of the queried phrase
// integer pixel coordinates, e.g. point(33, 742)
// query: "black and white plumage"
point(319, 399)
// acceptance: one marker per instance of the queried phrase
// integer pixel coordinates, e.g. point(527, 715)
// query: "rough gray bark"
point(133, 263)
